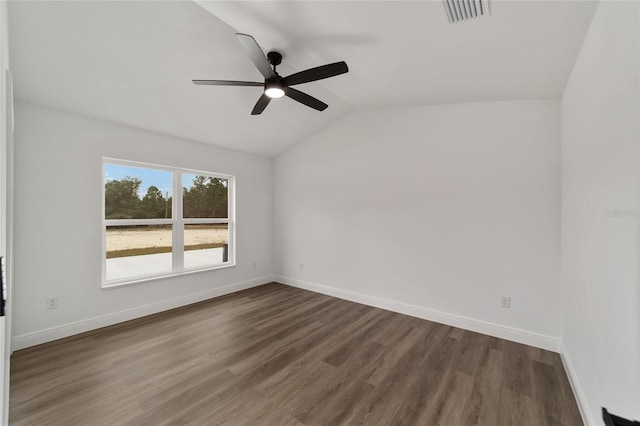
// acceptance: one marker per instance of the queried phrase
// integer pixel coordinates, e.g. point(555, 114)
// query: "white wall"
point(600, 139)
point(435, 211)
point(58, 223)
point(6, 206)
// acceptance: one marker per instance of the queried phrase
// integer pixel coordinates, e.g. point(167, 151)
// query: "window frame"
point(177, 222)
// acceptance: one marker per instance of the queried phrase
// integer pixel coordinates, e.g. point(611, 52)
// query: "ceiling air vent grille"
point(460, 10)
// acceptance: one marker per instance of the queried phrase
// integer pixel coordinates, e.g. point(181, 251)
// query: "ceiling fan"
point(274, 85)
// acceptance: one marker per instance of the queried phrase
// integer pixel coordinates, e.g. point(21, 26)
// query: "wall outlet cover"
point(505, 301)
point(52, 302)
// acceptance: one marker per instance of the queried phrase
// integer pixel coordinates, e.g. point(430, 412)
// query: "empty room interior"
point(320, 212)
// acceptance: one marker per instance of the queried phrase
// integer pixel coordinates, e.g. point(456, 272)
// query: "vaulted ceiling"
point(132, 62)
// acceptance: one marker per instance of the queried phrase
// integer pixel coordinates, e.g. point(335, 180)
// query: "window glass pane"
point(205, 244)
point(138, 250)
point(137, 193)
point(204, 196)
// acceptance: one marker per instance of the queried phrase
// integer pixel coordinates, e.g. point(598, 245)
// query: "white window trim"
point(177, 222)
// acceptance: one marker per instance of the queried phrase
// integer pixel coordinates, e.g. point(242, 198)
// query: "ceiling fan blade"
point(317, 73)
point(256, 55)
point(303, 98)
point(226, 83)
point(261, 104)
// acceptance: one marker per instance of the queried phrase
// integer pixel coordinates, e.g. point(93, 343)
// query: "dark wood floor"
point(276, 355)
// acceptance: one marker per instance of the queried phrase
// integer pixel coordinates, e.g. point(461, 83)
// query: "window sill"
point(106, 285)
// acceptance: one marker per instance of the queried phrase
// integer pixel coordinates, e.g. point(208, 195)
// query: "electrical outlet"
point(52, 302)
point(505, 301)
point(301, 267)
point(254, 265)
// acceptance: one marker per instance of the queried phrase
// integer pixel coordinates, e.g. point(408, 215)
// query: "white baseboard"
point(581, 399)
point(70, 329)
point(496, 330)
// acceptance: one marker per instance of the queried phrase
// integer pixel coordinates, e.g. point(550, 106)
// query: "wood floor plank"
point(277, 355)
point(469, 351)
point(482, 407)
point(299, 392)
point(335, 397)
point(437, 388)
point(519, 409)
point(517, 369)
point(449, 404)
point(358, 337)
point(276, 345)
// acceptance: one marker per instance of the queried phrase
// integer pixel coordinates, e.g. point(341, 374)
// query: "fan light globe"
point(274, 92)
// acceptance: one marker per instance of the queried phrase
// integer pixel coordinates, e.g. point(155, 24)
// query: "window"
point(160, 221)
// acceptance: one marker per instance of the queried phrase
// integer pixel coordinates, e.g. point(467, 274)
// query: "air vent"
point(460, 10)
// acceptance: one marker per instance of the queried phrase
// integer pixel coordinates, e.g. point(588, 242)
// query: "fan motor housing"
point(275, 58)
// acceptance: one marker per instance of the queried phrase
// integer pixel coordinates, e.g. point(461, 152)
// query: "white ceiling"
point(132, 62)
